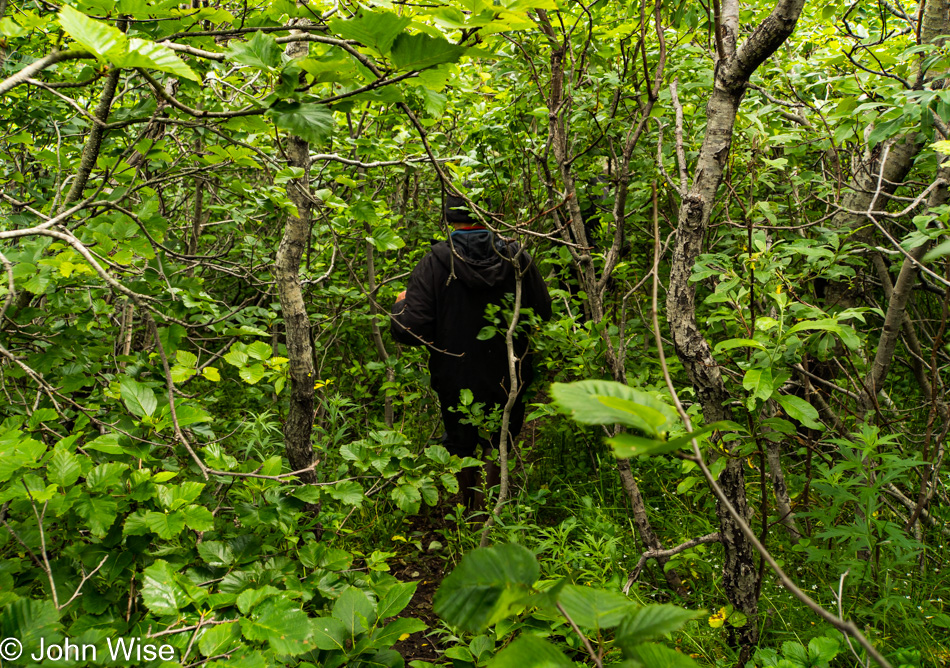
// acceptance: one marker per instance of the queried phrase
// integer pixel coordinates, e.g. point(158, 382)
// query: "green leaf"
point(800, 410)
point(166, 525)
point(349, 492)
point(260, 51)
point(796, 652)
point(530, 651)
point(483, 587)
point(629, 445)
point(249, 598)
point(105, 476)
point(285, 629)
point(827, 325)
point(395, 599)
point(939, 251)
point(374, 29)
point(822, 650)
point(149, 55)
point(651, 654)
point(107, 443)
point(385, 239)
point(139, 399)
point(355, 610)
point(252, 374)
point(218, 639)
point(215, 553)
point(63, 468)
point(384, 658)
point(329, 633)
point(608, 402)
point(41, 415)
point(236, 358)
point(739, 343)
point(407, 497)
point(98, 512)
point(198, 518)
point(654, 620)
point(28, 620)
point(595, 608)
point(759, 382)
point(421, 51)
point(311, 122)
point(110, 44)
point(390, 634)
point(260, 350)
point(99, 38)
point(161, 593)
point(186, 359)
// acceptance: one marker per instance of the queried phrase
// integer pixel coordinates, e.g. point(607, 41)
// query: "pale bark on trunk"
point(298, 426)
point(740, 573)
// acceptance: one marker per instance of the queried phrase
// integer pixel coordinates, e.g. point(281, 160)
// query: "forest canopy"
point(736, 434)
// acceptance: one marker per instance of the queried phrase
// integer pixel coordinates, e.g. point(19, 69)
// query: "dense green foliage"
point(149, 170)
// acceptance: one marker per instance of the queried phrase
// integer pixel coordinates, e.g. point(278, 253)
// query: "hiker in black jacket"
point(443, 308)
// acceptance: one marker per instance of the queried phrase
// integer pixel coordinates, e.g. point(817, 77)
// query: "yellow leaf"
point(211, 373)
point(403, 636)
point(717, 619)
point(400, 538)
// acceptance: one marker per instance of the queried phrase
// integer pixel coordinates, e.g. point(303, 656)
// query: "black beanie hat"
point(456, 211)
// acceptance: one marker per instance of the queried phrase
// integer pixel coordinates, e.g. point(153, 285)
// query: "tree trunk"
point(740, 575)
point(299, 423)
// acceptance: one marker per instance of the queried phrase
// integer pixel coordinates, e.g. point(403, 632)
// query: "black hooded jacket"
point(444, 309)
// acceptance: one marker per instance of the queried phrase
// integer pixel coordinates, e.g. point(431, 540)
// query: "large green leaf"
point(530, 651)
point(63, 468)
point(395, 599)
point(260, 350)
point(374, 29)
point(630, 445)
point(110, 44)
point(355, 610)
point(801, 410)
point(166, 525)
point(654, 620)
point(483, 587)
point(162, 595)
point(28, 620)
point(420, 51)
point(938, 252)
point(312, 122)
point(407, 497)
point(198, 518)
point(261, 51)
point(759, 382)
point(218, 639)
point(391, 633)
point(595, 608)
point(329, 633)
point(105, 476)
point(97, 37)
point(139, 399)
point(99, 513)
point(149, 55)
point(608, 402)
point(651, 654)
point(284, 628)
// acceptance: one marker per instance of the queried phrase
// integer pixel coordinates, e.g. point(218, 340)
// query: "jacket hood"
point(479, 260)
